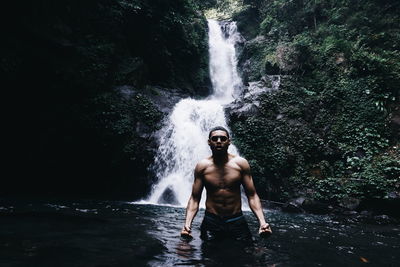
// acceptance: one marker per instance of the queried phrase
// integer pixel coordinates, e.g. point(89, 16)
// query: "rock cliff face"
point(89, 83)
point(248, 103)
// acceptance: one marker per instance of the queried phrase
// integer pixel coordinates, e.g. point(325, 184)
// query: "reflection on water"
point(105, 233)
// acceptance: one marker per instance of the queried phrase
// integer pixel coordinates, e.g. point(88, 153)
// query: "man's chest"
point(222, 177)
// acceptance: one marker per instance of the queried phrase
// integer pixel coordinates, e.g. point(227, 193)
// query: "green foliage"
point(371, 177)
point(171, 41)
point(124, 123)
point(327, 132)
point(224, 9)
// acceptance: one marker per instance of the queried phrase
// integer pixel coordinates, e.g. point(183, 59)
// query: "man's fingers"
point(186, 235)
point(185, 231)
point(265, 226)
point(265, 230)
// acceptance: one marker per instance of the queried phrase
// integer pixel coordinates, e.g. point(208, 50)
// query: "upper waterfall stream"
point(183, 140)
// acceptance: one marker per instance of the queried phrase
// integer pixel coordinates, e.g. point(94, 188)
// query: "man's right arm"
point(194, 201)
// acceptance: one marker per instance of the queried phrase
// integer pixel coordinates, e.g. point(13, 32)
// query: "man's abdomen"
point(224, 202)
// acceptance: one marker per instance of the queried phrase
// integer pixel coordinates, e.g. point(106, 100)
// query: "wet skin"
point(222, 174)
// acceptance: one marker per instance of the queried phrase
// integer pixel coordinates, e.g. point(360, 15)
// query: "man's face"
point(219, 141)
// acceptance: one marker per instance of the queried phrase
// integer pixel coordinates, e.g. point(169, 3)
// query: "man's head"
point(218, 140)
point(218, 128)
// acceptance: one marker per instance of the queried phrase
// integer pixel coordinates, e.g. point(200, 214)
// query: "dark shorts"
point(234, 227)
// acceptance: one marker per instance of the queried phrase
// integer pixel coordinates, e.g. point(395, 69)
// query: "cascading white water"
point(225, 79)
point(183, 140)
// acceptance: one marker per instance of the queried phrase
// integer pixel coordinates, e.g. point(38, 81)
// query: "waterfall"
point(225, 79)
point(183, 140)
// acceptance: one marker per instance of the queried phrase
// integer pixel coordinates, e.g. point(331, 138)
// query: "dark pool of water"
point(106, 233)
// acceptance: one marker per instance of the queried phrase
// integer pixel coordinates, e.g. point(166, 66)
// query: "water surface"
point(110, 233)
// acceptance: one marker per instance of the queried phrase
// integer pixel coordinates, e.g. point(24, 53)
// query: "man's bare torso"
point(222, 182)
point(222, 174)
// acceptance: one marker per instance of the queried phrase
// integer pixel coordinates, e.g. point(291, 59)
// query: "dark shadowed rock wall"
point(82, 83)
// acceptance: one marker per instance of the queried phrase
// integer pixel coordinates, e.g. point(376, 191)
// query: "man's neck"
point(220, 159)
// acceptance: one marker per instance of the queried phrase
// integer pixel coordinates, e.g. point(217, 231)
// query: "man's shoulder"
point(239, 159)
point(204, 163)
point(241, 162)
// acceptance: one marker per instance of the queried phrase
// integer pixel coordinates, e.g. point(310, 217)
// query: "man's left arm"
point(254, 200)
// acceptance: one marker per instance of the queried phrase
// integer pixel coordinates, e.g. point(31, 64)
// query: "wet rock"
point(294, 205)
point(316, 207)
point(168, 197)
point(271, 68)
point(350, 203)
point(395, 119)
point(143, 130)
point(366, 213)
point(394, 195)
point(250, 63)
point(350, 212)
point(382, 219)
point(164, 99)
point(298, 201)
point(390, 207)
point(248, 102)
point(290, 207)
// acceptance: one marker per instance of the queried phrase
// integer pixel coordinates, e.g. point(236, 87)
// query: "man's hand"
point(185, 233)
point(265, 230)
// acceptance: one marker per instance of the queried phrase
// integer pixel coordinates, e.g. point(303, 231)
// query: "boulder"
point(350, 203)
point(164, 99)
point(248, 102)
point(294, 205)
point(168, 197)
point(316, 207)
point(382, 219)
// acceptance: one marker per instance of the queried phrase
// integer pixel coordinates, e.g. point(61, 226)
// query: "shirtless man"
point(222, 174)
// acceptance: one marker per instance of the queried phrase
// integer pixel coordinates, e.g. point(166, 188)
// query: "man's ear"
point(209, 142)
